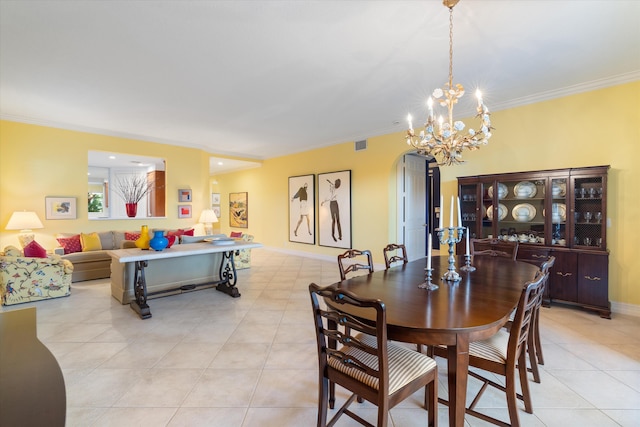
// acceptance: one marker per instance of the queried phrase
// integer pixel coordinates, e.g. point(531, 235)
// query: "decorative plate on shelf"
point(525, 190)
point(523, 212)
point(502, 212)
point(502, 191)
point(558, 189)
point(558, 212)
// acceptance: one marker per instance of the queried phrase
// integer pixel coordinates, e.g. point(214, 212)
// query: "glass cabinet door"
point(560, 235)
point(589, 216)
point(468, 203)
point(519, 213)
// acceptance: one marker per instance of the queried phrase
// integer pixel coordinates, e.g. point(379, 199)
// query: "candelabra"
point(454, 235)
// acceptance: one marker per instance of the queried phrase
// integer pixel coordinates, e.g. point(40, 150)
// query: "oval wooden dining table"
point(454, 315)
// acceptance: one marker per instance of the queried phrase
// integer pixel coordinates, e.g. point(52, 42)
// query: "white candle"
point(430, 105)
point(451, 214)
point(467, 240)
point(409, 119)
point(441, 212)
point(429, 252)
point(459, 214)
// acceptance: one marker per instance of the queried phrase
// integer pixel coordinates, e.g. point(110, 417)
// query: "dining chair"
point(391, 254)
point(494, 247)
point(503, 354)
point(534, 344)
point(356, 355)
point(349, 267)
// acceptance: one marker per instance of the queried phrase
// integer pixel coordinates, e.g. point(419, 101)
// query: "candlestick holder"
point(428, 284)
point(453, 236)
point(467, 264)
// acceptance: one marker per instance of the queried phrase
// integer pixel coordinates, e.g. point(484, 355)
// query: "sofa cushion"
point(90, 242)
point(130, 235)
point(34, 250)
point(107, 240)
point(70, 244)
point(235, 234)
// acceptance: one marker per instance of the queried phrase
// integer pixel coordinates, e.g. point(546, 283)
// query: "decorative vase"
point(158, 242)
point(143, 240)
point(132, 209)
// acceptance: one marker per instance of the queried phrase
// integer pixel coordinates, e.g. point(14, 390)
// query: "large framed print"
point(302, 221)
point(334, 212)
point(239, 210)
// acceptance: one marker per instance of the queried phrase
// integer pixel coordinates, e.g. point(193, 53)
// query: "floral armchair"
point(24, 279)
point(242, 259)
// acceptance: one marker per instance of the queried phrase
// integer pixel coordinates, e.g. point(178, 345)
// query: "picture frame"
point(334, 209)
point(60, 208)
point(184, 211)
point(302, 218)
point(184, 195)
point(215, 198)
point(239, 210)
point(217, 211)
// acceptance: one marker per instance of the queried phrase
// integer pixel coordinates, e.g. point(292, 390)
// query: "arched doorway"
point(418, 195)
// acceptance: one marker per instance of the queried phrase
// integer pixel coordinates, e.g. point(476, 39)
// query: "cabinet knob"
point(592, 278)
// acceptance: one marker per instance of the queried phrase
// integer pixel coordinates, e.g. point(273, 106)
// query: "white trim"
point(625, 308)
point(328, 258)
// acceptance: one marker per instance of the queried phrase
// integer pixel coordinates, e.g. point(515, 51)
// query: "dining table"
point(454, 314)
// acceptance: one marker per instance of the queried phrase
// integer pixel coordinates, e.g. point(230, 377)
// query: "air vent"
point(361, 145)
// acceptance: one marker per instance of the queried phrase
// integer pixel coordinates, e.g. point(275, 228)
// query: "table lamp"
point(207, 217)
point(25, 222)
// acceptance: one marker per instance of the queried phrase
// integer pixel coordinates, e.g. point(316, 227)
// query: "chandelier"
point(445, 140)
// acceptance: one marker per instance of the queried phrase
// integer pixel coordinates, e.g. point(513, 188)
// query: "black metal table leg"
point(228, 275)
point(139, 305)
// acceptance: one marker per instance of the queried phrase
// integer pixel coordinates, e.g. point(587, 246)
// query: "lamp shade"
point(24, 221)
point(208, 216)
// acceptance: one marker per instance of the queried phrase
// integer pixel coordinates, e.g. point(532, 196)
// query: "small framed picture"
point(216, 209)
point(60, 207)
point(215, 198)
point(184, 195)
point(184, 211)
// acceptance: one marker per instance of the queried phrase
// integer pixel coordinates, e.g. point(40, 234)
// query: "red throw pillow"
point(131, 236)
point(70, 244)
point(34, 250)
point(188, 232)
point(236, 234)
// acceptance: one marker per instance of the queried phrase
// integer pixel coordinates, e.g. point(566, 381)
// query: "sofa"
point(89, 253)
point(26, 279)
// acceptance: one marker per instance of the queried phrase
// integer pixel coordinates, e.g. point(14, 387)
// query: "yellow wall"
point(595, 128)
point(38, 161)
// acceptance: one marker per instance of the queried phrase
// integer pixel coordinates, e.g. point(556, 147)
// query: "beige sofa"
point(95, 264)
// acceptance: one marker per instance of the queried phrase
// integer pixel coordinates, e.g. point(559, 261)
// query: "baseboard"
point(329, 258)
point(625, 308)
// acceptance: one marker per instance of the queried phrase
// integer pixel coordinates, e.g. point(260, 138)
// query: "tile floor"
point(205, 359)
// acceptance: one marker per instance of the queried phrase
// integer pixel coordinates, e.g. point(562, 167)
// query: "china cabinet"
point(560, 212)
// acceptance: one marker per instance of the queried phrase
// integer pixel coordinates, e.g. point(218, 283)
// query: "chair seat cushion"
point(405, 365)
point(494, 348)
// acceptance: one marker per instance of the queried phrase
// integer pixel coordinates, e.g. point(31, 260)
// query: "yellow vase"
point(143, 240)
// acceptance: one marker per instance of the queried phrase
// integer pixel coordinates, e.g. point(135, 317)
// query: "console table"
point(191, 256)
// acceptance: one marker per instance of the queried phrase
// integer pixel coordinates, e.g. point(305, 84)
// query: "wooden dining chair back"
point(352, 260)
point(534, 344)
point(494, 247)
point(394, 252)
point(505, 353)
point(356, 355)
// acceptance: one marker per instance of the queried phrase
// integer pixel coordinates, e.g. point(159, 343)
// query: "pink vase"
point(132, 209)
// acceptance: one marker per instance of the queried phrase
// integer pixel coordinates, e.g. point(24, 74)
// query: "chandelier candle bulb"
point(479, 96)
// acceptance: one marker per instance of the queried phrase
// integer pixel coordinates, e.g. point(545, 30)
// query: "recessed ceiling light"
point(112, 157)
point(220, 163)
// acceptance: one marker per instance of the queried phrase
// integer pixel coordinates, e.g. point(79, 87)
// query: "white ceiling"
point(259, 79)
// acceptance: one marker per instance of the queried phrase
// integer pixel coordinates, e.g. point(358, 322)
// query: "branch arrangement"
point(132, 188)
